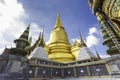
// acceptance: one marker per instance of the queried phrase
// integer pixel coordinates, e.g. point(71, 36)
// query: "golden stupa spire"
point(58, 21)
point(82, 43)
point(59, 46)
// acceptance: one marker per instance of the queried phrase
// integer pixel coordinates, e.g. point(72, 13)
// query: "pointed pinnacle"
point(41, 41)
point(58, 21)
point(81, 40)
point(25, 34)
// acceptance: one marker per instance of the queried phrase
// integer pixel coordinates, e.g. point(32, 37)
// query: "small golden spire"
point(82, 43)
point(58, 21)
point(76, 43)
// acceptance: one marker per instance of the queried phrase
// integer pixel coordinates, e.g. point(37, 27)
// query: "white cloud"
point(91, 39)
point(35, 31)
point(11, 24)
point(73, 40)
point(93, 30)
point(104, 56)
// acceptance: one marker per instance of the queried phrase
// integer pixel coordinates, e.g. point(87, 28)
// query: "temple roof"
point(85, 54)
point(39, 53)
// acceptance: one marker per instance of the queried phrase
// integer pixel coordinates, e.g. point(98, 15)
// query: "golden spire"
point(58, 21)
point(76, 43)
point(82, 43)
point(59, 48)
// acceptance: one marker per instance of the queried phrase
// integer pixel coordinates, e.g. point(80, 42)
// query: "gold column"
point(62, 71)
point(108, 68)
point(88, 70)
point(51, 71)
point(75, 72)
point(119, 14)
point(36, 69)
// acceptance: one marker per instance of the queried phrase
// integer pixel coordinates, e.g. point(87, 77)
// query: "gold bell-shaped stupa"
point(59, 46)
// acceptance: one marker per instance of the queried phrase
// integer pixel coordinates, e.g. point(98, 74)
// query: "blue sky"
point(75, 14)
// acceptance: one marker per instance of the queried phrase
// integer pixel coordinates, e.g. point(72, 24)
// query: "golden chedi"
point(59, 46)
point(75, 48)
